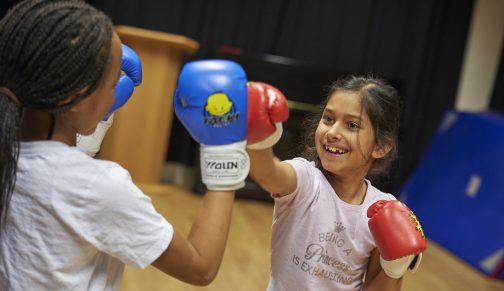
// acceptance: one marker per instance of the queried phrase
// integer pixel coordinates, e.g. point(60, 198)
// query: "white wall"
point(482, 56)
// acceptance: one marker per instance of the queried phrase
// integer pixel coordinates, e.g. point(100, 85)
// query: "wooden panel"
point(139, 137)
point(245, 266)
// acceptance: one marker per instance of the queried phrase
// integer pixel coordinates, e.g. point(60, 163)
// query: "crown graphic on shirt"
point(339, 227)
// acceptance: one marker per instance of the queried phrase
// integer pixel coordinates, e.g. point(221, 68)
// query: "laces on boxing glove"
point(224, 168)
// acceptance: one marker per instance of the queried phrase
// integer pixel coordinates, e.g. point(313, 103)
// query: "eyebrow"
point(359, 117)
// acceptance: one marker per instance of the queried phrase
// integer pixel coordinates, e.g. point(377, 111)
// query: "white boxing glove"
point(90, 144)
point(131, 76)
point(396, 268)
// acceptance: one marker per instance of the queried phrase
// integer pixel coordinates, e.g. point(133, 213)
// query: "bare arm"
point(270, 173)
point(196, 260)
point(376, 279)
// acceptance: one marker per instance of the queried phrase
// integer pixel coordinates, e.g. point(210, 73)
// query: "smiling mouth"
point(335, 150)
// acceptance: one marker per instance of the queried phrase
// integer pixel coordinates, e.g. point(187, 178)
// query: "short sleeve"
point(305, 186)
point(374, 194)
point(117, 218)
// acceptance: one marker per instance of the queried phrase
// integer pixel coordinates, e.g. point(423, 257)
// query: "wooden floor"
point(245, 265)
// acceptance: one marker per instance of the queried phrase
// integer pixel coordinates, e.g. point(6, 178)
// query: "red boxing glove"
point(267, 109)
point(398, 235)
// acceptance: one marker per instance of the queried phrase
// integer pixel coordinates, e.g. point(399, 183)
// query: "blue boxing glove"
point(131, 76)
point(211, 102)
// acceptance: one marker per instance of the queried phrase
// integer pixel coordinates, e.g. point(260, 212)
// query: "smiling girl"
point(320, 234)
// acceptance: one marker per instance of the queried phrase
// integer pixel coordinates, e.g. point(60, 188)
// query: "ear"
point(76, 107)
point(381, 150)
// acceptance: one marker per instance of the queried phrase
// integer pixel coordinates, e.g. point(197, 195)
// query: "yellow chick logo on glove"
point(218, 104)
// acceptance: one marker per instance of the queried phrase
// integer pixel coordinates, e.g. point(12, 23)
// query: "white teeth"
point(335, 150)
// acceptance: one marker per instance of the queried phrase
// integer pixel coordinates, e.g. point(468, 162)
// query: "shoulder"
point(308, 178)
point(374, 194)
point(96, 169)
point(99, 188)
point(302, 164)
point(64, 168)
point(306, 171)
point(88, 180)
point(303, 161)
point(111, 181)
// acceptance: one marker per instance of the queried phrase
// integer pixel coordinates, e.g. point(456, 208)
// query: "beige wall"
point(482, 56)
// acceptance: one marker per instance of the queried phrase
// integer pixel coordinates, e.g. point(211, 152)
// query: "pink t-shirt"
point(319, 242)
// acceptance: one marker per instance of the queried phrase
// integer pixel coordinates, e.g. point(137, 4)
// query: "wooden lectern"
point(138, 139)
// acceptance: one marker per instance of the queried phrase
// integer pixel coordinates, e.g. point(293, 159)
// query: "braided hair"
point(49, 51)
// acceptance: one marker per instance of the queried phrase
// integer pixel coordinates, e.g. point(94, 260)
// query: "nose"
point(334, 132)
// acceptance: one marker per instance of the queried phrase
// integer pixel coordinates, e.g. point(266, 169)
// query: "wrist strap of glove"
point(396, 268)
point(224, 168)
point(270, 140)
point(90, 144)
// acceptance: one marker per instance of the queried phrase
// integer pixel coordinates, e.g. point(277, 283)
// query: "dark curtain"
point(5, 5)
point(497, 101)
point(420, 44)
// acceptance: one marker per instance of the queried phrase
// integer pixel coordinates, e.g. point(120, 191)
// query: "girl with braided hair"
point(68, 221)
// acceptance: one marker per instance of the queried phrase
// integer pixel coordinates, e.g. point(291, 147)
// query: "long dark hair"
point(381, 102)
point(49, 50)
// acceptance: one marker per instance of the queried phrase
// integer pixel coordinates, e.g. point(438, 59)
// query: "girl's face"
point(344, 138)
point(85, 116)
point(96, 105)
